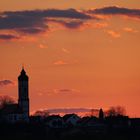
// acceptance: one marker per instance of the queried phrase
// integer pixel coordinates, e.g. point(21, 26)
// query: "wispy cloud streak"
point(6, 83)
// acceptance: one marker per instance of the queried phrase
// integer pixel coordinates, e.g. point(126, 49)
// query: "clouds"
point(59, 91)
point(42, 46)
point(66, 91)
point(64, 62)
point(36, 21)
point(114, 10)
point(114, 34)
point(28, 22)
point(65, 50)
point(118, 34)
point(71, 24)
point(60, 63)
point(6, 83)
point(64, 111)
point(18, 24)
point(70, 110)
point(68, 13)
point(8, 37)
point(130, 30)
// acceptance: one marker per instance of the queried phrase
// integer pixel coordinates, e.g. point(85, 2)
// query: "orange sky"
point(73, 62)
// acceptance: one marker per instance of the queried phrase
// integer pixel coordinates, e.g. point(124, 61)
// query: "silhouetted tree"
point(6, 100)
point(93, 112)
point(43, 113)
point(101, 114)
point(116, 111)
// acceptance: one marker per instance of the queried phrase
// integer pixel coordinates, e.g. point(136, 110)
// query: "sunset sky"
point(77, 53)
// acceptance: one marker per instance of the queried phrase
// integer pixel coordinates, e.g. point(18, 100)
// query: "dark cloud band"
point(37, 21)
point(114, 10)
point(6, 82)
point(8, 37)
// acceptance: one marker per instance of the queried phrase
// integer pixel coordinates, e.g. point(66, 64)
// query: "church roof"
point(11, 109)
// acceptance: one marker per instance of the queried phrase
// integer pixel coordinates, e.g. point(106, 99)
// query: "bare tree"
point(116, 111)
point(6, 100)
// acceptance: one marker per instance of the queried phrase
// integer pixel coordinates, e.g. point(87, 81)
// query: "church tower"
point(23, 93)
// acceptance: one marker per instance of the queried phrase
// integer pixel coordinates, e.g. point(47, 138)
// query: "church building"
point(19, 112)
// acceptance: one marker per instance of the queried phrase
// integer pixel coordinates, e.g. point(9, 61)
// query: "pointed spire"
point(23, 75)
point(22, 66)
point(23, 71)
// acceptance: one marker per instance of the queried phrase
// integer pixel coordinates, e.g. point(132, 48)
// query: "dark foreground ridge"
point(59, 128)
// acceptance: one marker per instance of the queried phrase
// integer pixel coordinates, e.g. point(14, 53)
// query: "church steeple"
point(23, 95)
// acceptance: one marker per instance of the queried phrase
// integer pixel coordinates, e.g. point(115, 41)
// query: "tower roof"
point(23, 75)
